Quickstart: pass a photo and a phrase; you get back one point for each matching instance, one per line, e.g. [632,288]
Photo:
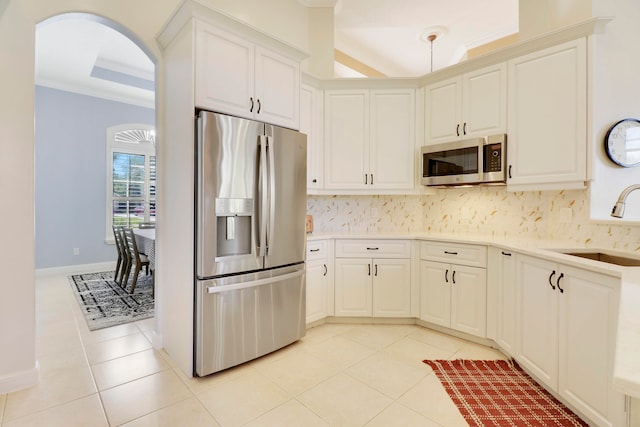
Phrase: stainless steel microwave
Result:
[465,162]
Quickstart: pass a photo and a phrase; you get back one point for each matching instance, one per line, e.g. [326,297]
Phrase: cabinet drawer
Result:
[457,253]
[357,248]
[317,249]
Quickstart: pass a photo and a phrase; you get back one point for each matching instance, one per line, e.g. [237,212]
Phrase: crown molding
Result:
[318,3]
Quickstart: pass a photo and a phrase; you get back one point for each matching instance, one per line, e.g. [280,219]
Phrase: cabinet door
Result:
[392,138]
[311,125]
[547,117]
[469,299]
[316,276]
[484,101]
[587,316]
[224,72]
[353,287]
[346,139]
[443,111]
[391,287]
[435,293]
[507,301]
[277,89]
[538,325]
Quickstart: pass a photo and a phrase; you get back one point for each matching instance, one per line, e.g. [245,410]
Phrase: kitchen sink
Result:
[603,256]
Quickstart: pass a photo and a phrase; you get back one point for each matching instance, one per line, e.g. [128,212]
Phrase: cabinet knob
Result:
[314,180]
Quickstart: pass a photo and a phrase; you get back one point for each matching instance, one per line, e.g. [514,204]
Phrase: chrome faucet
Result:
[618,208]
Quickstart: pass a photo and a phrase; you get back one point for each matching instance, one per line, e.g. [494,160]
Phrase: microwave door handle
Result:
[262,219]
[481,159]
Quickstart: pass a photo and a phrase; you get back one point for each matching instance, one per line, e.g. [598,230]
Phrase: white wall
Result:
[142,19]
[615,95]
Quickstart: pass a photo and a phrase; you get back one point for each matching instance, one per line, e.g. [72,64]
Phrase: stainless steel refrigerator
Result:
[250,240]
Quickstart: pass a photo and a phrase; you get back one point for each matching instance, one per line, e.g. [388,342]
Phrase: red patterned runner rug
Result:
[499,393]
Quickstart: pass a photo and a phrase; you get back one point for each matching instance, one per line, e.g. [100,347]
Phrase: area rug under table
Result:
[104,303]
[499,393]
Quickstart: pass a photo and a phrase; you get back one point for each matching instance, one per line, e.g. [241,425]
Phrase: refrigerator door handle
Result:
[264,197]
[272,192]
[252,283]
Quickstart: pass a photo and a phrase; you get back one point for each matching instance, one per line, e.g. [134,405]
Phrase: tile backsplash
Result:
[487,211]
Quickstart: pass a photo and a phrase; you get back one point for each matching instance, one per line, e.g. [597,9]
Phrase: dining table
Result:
[146,241]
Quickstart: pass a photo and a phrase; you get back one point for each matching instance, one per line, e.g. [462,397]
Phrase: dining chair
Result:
[140,260]
[123,279]
[121,263]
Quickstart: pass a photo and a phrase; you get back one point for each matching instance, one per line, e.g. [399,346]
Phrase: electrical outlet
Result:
[566,215]
[76,251]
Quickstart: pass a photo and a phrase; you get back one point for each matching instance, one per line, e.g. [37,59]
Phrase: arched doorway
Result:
[91,75]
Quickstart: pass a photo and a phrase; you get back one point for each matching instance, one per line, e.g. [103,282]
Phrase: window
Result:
[131,176]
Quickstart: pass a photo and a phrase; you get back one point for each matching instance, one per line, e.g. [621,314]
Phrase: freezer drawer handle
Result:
[252,283]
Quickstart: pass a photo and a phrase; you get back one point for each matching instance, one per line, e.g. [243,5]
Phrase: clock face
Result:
[622,143]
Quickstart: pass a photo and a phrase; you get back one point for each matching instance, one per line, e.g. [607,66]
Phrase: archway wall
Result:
[18,20]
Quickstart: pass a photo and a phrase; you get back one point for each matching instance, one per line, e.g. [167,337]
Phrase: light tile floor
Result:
[337,375]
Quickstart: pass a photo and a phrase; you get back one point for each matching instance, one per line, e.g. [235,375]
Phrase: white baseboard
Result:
[19,380]
[75,269]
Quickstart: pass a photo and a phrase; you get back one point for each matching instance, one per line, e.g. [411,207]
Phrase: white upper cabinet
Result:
[311,124]
[369,139]
[470,105]
[547,146]
[238,77]
[346,139]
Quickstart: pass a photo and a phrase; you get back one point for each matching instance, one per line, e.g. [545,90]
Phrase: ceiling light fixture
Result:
[430,35]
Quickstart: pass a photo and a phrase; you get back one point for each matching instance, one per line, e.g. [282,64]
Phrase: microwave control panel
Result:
[493,157]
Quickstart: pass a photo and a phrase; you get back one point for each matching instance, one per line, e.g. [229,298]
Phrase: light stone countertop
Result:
[626,372]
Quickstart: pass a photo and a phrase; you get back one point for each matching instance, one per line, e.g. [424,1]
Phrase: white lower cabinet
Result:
[566,335]
[366,286]
[319,280]
[506,335]
[454,295]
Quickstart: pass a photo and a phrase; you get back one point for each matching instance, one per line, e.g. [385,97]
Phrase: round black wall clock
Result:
[622,143]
